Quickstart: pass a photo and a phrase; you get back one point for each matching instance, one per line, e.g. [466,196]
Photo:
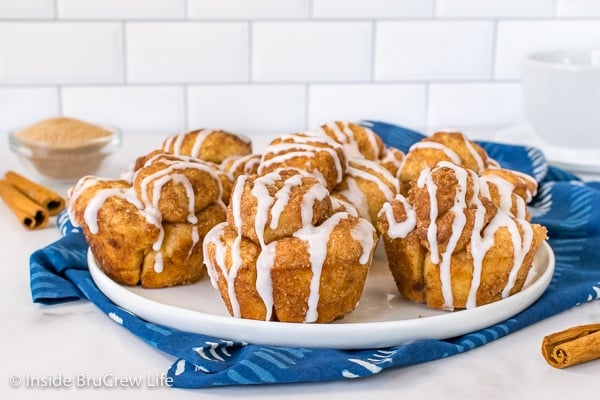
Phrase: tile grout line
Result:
[494,50]
[59,99]
[373,45]
[426,112]
[186,111]
[124,53]
[250,51]
[59,87]
[306,106]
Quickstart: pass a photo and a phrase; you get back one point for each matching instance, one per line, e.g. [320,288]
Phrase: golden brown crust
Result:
[284,254]
[312,153]
[149,231]
[391,159]
[294,191]
[473,253]
[357,140]
[165,182]
[453,147]
[241,165]
[247,298]
[126,233]
[341,282]
[367,185]
[509,190]
[208,145]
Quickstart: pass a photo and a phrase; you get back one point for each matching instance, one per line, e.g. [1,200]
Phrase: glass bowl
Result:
[65,163]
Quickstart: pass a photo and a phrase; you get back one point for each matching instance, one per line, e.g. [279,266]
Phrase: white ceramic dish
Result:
[574,160]
[382,318]
[561,93]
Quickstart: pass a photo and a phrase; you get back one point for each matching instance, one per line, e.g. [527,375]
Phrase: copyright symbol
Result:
[14,381]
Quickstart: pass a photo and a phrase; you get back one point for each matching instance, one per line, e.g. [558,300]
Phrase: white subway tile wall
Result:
[131,108]
[274,66]
[396,103]
[248,108]
[433,50]
[311,51]
[160,52]
[248,9]
[61,53]
[26,9]
[20,106]
[121,9]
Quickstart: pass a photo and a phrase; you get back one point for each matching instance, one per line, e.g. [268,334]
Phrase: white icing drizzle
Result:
[236,258]
[373,172]
[340,137]
[317,239]
[249,162]
[531,183]
[482,239]
[75,192]
[270,206]
[451,154]
[505,192]
[195,239]
[158,262]
[372,137]
[282,157]
[474,153]
[458,225]
[520,252]
[90,214]
[276,204]
[213,236]
[363,233]
[150,207]
[398,229]
[345,136]
[177,143]
[169,142]
[302,145]
[356,197]
[282,198]
[503,187]
[199,141]
[264,201]
[340,203]
[264,281]
[348,139]
[161,178]
[426,181]
[389,157]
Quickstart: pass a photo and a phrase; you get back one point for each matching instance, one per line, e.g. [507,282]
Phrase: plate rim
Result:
[350,335]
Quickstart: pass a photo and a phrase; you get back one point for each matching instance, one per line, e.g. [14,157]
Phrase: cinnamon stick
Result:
[50,200]
[572,346]
[31,214]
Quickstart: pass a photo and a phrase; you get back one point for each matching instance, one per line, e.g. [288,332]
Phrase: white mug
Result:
[561,95]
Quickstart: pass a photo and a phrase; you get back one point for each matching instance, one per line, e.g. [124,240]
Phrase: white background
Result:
[277,66]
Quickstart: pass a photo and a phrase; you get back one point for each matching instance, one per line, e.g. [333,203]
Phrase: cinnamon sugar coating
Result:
[451,247]
[148,230]
[284,254]
[208,145]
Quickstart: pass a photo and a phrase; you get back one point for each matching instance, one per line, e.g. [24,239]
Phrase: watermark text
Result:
[83,381]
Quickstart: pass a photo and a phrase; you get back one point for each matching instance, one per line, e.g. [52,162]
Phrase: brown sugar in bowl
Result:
[64,149]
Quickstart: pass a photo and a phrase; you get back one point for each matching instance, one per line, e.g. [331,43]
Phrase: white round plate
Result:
[382,318]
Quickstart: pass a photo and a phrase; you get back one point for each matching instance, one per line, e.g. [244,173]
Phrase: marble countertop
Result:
[77,341]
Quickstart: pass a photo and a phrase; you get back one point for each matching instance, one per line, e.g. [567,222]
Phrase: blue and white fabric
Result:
[568,207]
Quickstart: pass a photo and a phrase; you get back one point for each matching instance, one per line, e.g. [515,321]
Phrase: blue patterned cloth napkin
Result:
[567,206]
